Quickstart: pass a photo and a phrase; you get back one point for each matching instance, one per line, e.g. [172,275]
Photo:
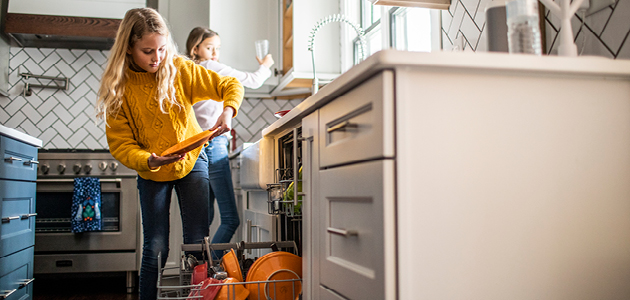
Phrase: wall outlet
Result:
[597,5]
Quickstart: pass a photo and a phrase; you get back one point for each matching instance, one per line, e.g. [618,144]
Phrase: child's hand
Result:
[224,123]
[267,61]
[157,161]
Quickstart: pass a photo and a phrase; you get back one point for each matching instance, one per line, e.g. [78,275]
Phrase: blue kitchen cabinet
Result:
[18,174]
[16,275]
[17,231]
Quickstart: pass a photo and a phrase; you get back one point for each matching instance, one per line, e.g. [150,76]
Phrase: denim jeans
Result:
[155,201]
[222,189]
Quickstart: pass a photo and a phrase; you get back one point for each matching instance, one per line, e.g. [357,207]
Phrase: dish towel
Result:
[86,205]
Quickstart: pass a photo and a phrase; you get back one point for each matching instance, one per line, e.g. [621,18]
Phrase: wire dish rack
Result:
[282,196]
[179,286]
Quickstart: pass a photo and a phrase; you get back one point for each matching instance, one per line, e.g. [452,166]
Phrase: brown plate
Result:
[189,144]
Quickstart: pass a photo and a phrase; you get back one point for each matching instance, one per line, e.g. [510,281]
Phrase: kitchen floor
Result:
[111,287]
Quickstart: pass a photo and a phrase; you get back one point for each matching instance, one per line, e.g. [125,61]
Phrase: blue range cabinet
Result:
[18,174]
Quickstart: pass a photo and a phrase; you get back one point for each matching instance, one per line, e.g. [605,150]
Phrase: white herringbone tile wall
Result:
[604,33]
[65,118]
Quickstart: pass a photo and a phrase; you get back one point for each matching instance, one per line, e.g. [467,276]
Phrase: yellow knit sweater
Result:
[140,128]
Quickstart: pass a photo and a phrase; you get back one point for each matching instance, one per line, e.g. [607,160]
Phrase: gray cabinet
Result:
[485,194]
[350,236]
[18,173]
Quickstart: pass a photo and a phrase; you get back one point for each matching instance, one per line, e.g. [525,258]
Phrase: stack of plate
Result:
[277,265]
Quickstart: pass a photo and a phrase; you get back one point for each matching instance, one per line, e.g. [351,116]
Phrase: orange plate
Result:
[189,143]
[277,265]
[232,291]
[231,266]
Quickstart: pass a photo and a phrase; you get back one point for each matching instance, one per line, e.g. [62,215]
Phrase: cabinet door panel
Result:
[359,125]
[17,206]
[17,158]
[257,20]
[16,274]
[352,242]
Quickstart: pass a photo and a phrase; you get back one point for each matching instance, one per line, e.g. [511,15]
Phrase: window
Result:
[401,28]
[411,29]
[371,23]
[370,14]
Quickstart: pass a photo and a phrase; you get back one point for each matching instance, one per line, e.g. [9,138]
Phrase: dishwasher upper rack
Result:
[184,287]
[282,188]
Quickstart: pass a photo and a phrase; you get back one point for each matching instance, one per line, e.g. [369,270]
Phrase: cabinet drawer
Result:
[359,125]
[17,208]
[352,231]
[16,275]
[19,160]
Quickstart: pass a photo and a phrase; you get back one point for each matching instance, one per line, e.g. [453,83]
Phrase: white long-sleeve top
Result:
[208,112]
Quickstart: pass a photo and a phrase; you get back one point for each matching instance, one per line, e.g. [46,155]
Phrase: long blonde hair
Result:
[195,37]
[135,24]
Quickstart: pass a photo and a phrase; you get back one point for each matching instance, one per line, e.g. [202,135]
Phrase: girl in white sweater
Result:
[203,47]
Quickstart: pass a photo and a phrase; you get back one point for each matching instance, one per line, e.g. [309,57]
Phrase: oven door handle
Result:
[72,180]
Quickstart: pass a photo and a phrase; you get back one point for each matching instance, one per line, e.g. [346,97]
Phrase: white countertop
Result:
[20,136]
[584,66]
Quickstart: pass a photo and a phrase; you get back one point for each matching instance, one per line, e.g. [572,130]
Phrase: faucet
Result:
[324,21]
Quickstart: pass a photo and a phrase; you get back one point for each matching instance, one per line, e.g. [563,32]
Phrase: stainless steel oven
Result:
[114,248]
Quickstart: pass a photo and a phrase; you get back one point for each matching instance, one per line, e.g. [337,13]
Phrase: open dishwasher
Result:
[276,275]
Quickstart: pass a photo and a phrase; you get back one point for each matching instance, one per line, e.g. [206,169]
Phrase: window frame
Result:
[386,24]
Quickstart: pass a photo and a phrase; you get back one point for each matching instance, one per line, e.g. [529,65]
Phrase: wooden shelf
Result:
[287,36]
[289,43]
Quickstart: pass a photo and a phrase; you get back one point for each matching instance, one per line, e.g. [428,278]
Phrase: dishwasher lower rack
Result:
[175,287]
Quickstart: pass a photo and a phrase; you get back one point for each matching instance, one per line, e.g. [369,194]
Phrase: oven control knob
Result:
[103,166]
[44,168]
[113,166]
[61,168]
[76,168]
[87,168]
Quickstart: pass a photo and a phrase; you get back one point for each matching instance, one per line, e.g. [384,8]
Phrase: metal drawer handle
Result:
[31,162]
[11,159]
[8,219]
[7,293]
[342,126]
[342,232]
[26,282]
[26,216]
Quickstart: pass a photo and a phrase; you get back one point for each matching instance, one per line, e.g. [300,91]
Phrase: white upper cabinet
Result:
[437,4]
[287,25]
[109,9]
[240,23]
[299,18]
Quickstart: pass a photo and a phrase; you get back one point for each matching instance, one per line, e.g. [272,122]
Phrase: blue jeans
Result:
[221,187]
[155,201]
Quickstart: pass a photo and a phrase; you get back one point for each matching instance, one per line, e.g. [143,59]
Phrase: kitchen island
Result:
[465,176]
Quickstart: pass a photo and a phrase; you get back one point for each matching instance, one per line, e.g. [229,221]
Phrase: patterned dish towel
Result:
[86,205]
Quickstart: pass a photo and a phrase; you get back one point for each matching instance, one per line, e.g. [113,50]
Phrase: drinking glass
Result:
[262,48]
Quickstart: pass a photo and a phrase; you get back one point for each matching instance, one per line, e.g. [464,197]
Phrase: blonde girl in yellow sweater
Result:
[146,97]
